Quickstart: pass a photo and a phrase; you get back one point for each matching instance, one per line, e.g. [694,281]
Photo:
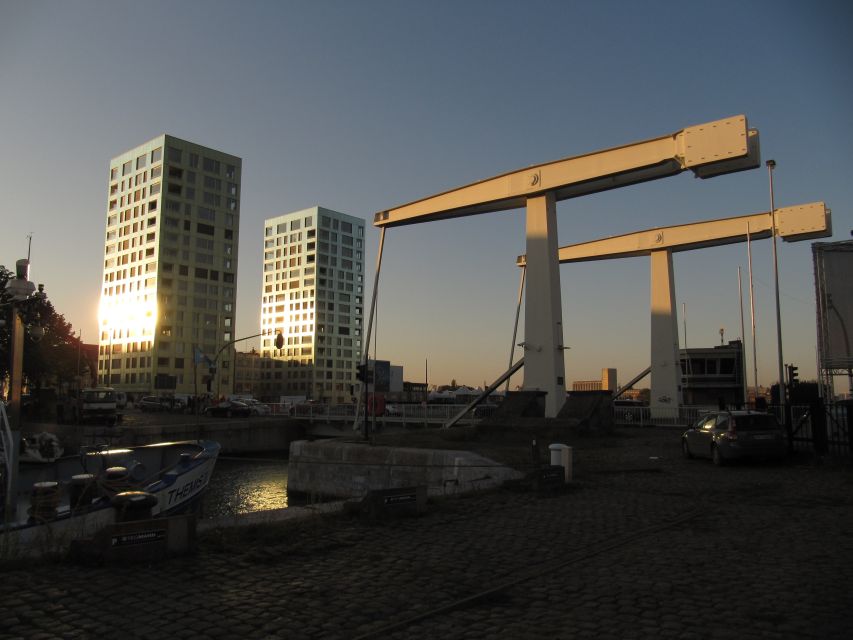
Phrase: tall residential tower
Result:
[170,267]
[313,293]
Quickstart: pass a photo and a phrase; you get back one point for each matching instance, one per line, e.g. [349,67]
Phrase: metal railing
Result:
[658,416]
[403,414]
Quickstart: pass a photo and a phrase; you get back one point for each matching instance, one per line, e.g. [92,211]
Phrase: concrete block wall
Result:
[347,469]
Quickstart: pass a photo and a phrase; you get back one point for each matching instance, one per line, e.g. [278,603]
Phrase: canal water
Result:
[245,485]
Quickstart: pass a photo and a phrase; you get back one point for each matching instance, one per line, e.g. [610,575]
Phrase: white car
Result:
[258,408]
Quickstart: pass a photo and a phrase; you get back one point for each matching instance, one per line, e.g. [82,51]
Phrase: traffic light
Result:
[279,341]
[792,375]
[361,372]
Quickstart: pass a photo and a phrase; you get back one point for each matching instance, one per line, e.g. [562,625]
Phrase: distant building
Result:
[387,378]
[606,383]
[259,377]
[170,267]
[713,375]
[313,293]
[640,395]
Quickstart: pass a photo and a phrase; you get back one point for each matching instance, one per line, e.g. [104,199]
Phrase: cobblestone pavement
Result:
[637,547]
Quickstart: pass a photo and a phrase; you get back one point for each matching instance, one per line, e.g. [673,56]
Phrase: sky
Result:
[361,106]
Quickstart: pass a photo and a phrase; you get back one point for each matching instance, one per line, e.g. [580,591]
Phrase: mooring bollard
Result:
[561,456]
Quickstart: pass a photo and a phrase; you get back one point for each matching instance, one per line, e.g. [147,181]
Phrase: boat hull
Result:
[175,473]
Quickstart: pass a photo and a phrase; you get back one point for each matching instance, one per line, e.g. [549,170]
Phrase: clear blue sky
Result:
[359,106]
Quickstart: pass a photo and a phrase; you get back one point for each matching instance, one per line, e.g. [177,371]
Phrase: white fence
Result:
[403,414]
[658,416]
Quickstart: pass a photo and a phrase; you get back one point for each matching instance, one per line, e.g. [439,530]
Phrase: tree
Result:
[48,361]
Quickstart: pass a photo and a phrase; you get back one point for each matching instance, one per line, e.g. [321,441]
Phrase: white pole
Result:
[742,335]
[752,311]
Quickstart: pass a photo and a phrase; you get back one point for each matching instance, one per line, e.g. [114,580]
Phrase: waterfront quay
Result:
[642,544]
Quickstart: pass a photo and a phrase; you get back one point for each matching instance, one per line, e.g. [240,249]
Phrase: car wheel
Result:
[716,456]
[685,448]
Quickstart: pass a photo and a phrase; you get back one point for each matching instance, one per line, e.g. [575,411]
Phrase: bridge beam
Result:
[710,149]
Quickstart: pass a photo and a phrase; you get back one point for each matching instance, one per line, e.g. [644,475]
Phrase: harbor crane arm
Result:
[710,149]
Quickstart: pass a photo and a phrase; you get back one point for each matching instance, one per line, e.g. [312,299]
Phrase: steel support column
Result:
[544,366]
[665,363]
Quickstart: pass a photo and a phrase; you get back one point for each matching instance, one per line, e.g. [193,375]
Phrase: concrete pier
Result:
[351,469]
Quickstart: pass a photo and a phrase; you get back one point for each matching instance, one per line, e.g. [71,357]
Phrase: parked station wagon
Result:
[725,436]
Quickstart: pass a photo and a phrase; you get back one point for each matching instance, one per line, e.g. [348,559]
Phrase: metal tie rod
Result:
[485,394]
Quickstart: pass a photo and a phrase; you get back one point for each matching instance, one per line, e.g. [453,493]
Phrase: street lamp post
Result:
[771,164]
[279,343]
[19,290]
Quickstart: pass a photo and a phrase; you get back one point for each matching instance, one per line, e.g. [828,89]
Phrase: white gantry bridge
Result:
[708,150]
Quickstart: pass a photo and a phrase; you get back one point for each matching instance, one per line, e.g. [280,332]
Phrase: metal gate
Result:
[823,429]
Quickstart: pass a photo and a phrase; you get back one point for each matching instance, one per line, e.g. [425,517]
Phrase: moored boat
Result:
[74,497]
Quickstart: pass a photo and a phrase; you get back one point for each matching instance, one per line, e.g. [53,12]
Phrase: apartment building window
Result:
[174,155]
[157,155]
[210,165]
